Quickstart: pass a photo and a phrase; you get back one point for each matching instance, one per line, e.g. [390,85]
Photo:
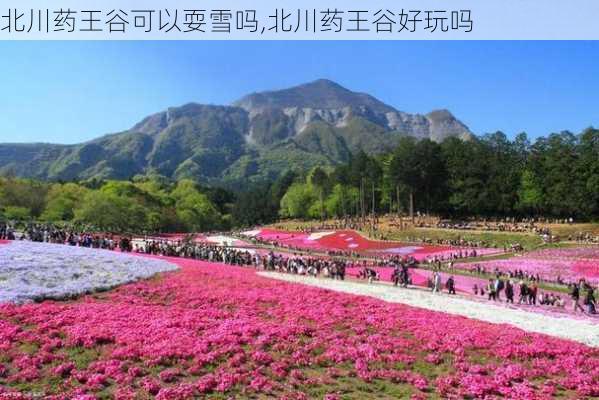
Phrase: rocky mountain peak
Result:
[260,135]
[296,108]
[319,94]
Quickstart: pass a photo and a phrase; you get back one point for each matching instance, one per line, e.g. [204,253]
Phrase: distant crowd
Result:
[581,293]
[519,275]
[584,238]
[276,243]
[458,242]
[529,293]
[358,223]
[526,225]
[268,261]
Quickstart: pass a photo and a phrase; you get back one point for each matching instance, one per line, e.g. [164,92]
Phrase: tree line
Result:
[145,204]
[491,176]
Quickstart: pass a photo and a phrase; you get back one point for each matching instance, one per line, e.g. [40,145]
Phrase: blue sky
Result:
[67,92]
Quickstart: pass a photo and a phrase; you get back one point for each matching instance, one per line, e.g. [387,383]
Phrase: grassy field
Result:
[491,239]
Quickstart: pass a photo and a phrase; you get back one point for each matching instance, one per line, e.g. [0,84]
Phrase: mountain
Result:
[257,137]
[292,110]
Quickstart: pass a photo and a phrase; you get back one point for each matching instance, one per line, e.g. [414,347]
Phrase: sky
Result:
[69,92]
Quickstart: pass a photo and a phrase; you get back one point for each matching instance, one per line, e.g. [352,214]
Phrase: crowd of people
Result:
[526,225]
[333,266]
[380,258]
[435,283]
[584,238]
[530,294]
[275,243]
[506,224]
[589,299]
[520,275]
[348,223]
[48,233]
[268,261]
[461,242]
[512,274]
[375,225]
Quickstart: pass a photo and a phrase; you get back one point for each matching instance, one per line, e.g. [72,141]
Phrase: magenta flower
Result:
[218,330]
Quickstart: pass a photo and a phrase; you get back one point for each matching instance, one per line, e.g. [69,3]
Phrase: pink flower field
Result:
[571,264]
[349,240]
[215,331]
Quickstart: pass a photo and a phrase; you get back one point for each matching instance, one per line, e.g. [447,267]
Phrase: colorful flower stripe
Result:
[547,269]
[577,253]
[352,241]
[214,329]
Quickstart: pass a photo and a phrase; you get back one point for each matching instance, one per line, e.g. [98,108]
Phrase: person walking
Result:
[509,291]
[405,277]
[450,285]
[575,295]
[523,292]
[396,275]
[498,287]
[491,290]
[590,301]
[533,293]
[436,282]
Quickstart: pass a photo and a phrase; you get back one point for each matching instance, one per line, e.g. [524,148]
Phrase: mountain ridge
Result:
[319,122]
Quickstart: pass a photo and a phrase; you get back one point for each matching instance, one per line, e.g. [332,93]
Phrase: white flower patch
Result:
[222,240]
[319,235]
[36,271]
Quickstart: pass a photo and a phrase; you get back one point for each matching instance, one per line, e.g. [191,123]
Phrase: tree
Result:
[504,167]
[194,210]
[23,193]
[61,202]
[420,167]
[108,212]
[253,207]
[341,199]
[530,196]
[319,179]
[13,213]
[466,175]
[553,160]
[298,201]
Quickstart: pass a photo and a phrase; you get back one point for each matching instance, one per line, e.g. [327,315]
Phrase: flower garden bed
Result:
[220,332]
[352,241]
[35,271]
[571,264]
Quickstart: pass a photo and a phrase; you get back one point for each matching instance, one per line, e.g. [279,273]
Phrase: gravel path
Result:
[564,327]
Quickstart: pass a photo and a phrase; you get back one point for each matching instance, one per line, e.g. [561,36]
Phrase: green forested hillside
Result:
[256,139]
